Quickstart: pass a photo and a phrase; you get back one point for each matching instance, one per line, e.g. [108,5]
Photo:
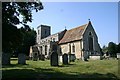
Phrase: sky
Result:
[58,15]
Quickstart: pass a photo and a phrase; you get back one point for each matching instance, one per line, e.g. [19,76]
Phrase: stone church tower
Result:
[43,31]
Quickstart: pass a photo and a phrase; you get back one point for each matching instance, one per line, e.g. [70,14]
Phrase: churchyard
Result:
[92,69]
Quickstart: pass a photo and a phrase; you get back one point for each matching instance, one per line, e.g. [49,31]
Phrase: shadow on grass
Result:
[14,59]
[66,65]
[13,65]
[51,74]
[20,65]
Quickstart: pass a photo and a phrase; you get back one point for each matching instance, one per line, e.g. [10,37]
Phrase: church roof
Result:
[58,33]
[73,34]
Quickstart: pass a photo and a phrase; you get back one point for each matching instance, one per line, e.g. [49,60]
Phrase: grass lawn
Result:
[92,69]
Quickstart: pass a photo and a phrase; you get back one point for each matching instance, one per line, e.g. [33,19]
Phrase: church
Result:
[82,41]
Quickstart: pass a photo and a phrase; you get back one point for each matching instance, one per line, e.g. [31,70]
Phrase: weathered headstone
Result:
[54,59]
[65,58]
[6,58]
[72,57]
[34,53]
[21,58]
[42,57]
[118,55]
[35,56]
[31,53]
[60,58]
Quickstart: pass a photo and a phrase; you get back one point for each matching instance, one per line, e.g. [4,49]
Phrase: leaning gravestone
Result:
[65,58]
[6,58]
[54,59]
[72,57]
[21,58]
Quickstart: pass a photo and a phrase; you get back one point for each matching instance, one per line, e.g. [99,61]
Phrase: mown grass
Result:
[93,69]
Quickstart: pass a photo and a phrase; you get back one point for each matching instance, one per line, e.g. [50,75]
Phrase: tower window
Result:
[45,31]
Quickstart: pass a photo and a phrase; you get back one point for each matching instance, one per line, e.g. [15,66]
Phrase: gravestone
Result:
[42,57]
[60,58]
[31,53]
[65,58]
[72,57]
[39,56]
[21,58]
[6,58]
[35,56]
[54,59]
[118,55]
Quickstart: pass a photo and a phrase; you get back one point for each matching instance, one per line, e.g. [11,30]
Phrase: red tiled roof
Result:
[73,34]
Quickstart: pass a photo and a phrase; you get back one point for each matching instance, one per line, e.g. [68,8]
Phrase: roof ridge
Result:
[58,32]
[78,27]
[73,34]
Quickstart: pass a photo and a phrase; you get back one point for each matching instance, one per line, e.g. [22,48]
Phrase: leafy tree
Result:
[11,37]
[102,53]
[118,48]
[105,49]
[11,11]
[28,39]
[112,49]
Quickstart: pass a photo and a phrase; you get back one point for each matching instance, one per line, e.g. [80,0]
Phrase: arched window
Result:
[73,48]
[90,41]
[41,49]
[90,34]
[70,48]
[45,49]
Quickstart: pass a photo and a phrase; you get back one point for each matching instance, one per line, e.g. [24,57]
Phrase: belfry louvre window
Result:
[45,32]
